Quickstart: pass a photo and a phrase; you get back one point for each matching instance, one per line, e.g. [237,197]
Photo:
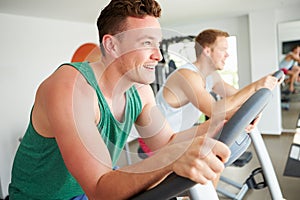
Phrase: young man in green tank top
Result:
[83,113]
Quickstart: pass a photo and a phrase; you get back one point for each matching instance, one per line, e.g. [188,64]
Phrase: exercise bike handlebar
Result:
[174,185]
[246,114]
[278,74]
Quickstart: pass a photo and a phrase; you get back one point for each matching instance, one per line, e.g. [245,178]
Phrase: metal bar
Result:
[266,164]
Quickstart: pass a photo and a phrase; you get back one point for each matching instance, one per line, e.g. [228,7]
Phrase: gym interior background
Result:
[38,36]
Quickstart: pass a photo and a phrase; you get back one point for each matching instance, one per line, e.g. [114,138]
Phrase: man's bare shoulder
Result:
[185,73]
[145,92]
[64,78]
[63,86]
[185,77]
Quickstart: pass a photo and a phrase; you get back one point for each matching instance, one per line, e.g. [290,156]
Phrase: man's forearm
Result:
[131,180]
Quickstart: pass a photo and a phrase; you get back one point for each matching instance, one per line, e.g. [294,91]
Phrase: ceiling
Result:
[174,11]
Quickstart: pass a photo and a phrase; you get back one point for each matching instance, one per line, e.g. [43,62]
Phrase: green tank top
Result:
[39,171]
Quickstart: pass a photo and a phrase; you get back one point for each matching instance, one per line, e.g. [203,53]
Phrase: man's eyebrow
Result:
[149,37]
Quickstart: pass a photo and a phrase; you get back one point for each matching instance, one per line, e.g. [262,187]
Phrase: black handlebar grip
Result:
[170,187]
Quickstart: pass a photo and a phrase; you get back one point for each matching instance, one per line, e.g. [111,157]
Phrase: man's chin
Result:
[148,81]
[221,67]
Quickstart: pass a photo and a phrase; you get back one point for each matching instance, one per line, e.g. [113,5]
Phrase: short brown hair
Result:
[207,38]
[112,18]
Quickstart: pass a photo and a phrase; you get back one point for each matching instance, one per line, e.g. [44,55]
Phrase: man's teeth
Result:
[149,67]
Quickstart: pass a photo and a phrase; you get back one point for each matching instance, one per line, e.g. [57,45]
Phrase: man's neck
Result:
[205,67]
[111,83]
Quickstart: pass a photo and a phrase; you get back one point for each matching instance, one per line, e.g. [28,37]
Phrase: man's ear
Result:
[109,43]
[206,51]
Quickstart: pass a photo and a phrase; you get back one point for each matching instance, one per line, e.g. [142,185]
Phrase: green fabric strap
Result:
[113,132]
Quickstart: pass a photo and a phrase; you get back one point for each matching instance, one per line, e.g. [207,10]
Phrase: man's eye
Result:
[147,43]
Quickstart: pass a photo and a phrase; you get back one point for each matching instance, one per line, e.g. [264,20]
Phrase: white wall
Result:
[264,58]
[30,50]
